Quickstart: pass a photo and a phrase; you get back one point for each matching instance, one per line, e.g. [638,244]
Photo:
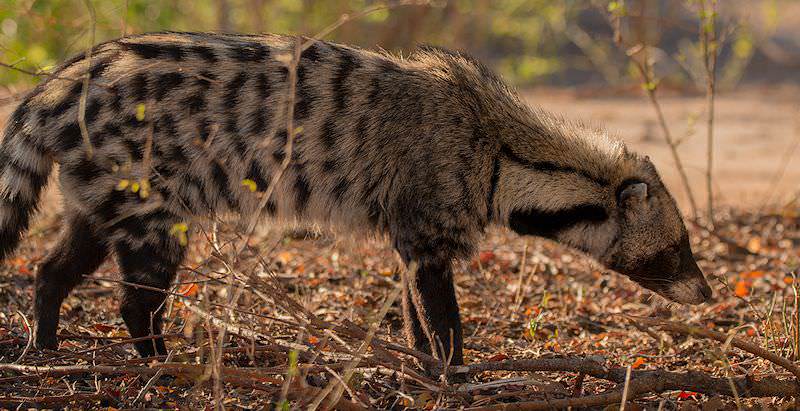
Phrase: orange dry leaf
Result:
[754,245]
[686,395]
[742,288]
[284,257]
[68,344]
[533,310]
[163,389]
[753,274]
[751,332]
[313,340]
[189,290]
[553,345]
[638,363]
[496,339]
[498,357]
[103,328]
[21,264]
[486,257]
[788,280]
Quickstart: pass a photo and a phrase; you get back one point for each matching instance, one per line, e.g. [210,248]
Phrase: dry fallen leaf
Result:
[498,357]
[189,290]
[103,328]
[753,274]
[284,257]
[754,245]
[486,257]
[742,288]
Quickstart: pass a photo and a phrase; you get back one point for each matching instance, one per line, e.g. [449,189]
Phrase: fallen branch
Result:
[53,401]
[242,378]
[638,386]
[126,341]
[737,342]
[662,380]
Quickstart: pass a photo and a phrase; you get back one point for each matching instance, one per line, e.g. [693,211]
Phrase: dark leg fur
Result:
[433,321]
[152,265]
[78,253]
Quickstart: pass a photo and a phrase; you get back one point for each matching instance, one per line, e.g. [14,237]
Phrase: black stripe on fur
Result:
[549,223]
[549,167]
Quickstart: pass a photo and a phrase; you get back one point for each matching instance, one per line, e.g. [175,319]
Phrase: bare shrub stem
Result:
[710,45]
[650,85]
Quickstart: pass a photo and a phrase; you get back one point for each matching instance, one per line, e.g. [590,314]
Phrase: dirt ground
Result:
[520,298]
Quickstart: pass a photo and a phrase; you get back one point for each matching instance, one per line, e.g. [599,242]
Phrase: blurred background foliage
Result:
[531,42]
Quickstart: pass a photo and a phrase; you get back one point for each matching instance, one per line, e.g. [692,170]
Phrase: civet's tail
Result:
[24,168]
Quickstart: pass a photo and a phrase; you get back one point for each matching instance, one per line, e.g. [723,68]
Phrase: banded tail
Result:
[25,165]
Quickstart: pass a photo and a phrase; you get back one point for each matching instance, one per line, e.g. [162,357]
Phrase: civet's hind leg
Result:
[151,262]
[79,252]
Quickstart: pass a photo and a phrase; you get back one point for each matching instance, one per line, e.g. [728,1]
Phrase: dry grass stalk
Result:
[649,83]
[725,339]
[710,49]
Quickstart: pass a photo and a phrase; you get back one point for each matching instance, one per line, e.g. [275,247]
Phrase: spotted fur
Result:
[428,150]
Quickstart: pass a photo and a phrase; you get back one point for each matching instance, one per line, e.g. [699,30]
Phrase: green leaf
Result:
[293,354]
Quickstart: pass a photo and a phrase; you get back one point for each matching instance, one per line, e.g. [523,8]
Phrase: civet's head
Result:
[653,245]
[590,193]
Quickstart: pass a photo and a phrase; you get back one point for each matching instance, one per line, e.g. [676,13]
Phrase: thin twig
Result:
[650,86]
[85,89]
[710,47]
[335,386]
[625,388]
[29,344]
[149,384]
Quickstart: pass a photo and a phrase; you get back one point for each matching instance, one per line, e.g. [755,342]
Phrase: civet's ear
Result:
[649,163]
[632,193]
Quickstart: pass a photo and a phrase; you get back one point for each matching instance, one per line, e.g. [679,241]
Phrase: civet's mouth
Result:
[692,291]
